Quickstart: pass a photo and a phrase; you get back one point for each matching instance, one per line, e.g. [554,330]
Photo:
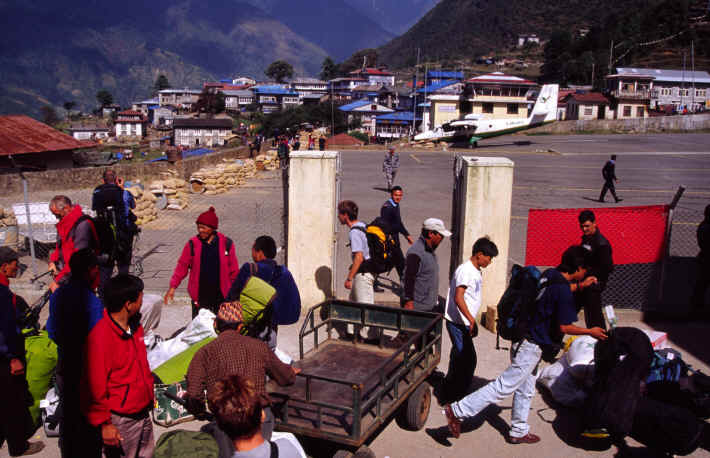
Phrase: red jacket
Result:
[117,377]
[228,267]
[66,238]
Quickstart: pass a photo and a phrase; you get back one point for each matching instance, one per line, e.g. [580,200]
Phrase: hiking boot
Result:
[619,200]
[34,448]
[529,438]
[453,423]
[595,433]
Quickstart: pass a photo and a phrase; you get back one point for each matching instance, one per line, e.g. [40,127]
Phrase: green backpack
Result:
[181,443]
[256,299]
[41,354]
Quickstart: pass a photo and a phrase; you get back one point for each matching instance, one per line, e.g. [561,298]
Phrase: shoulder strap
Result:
[359,228]
[274,449]
[228,244]
[192,249]
[253,268]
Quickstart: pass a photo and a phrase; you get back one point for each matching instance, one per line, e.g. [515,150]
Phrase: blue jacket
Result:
[73,311]
[11,341]
[287,295]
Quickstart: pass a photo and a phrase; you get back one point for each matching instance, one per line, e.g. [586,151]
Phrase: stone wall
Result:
[89,177]
[634,125]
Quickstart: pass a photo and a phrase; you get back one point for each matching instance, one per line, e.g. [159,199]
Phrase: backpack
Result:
[106,234]
[380,244]
[667,366]
[256,299]
[177,443]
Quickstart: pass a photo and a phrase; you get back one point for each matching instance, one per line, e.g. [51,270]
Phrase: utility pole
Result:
[682,84]
[692,74]
[611,56]
[593,63]
[414,88]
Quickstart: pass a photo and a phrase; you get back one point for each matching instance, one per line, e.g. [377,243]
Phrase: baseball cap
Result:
[435,224]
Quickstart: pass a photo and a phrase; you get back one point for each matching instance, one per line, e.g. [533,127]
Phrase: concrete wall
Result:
[444,111]
[311,223]
[487,195]
[88,177]
[638,125]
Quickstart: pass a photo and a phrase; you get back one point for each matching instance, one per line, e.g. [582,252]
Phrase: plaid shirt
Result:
[234,354]
[391,162]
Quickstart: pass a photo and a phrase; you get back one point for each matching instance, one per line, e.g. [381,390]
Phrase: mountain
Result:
[52,52]
[465,29]
[395,17]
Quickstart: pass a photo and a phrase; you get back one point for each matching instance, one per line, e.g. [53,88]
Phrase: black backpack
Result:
[380,244]
[517,304]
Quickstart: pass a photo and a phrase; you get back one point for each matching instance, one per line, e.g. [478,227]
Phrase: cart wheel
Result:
[414,413]
[343,454]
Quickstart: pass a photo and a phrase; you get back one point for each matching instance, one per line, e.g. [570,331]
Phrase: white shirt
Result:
[469,276]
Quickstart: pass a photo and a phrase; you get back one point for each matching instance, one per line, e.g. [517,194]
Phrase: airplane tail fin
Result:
[545,109]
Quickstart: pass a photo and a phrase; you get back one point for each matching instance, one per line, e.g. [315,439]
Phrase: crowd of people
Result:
[103,376]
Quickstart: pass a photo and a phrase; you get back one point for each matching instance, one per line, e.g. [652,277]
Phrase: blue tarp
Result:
[436,86]
[196,152]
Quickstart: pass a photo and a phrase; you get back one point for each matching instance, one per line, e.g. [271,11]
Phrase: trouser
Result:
[363,290]
[15,419]
[76,436]
[398,259]
[701,285]
[389,177]
[137,437]
[608,185]
[590,299]
[462,362]
[518,379]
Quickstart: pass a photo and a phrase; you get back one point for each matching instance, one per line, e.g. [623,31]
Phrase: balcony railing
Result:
[641,94]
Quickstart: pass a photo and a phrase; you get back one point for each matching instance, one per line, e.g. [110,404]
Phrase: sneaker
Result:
[34,448]
[453,423]
[595,433]
[529,438]
[619,200]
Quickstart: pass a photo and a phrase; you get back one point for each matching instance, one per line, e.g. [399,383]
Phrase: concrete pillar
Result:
[311,223]
[486,190]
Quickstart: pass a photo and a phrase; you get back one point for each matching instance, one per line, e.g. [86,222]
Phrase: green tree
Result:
[49,115]
[210,102]
[161,82]
[104,98]
[329,69]
[68,107]
[279,70]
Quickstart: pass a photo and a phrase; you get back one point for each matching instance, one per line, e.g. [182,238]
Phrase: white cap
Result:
[435,224]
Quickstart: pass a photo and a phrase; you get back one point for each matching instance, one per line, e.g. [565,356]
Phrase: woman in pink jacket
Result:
[211,261]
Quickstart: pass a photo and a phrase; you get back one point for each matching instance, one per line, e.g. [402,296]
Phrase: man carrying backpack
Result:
[211,260]
[359,281]
[390,213]
[112,205]
[286,306]
[549,319]
[74,232]
[462,305]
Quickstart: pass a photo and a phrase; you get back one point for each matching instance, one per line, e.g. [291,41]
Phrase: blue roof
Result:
[226,80]
[153,107]
[353,105]
[444,74]
[398,116]
[436,86]
[273,90]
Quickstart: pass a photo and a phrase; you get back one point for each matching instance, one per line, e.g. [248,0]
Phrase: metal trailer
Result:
[347,389]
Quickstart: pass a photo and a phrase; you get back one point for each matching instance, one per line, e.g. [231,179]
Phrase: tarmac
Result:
[550,172]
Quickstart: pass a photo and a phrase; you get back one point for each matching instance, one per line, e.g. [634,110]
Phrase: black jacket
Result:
[602,263]
[609,171]
[390,213]
[703,234]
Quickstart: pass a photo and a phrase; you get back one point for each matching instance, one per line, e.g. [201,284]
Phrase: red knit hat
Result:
[209,218]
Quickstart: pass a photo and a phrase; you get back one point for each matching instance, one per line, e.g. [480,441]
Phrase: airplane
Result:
[475,127]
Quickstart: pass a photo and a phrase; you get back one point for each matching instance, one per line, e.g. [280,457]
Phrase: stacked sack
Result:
[267,161]
[145,210]
[174,189]
[8,228]
[220,178]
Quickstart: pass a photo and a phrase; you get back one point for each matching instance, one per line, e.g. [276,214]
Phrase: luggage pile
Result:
[145,210]
[222,177]
[268,161]
[175,190]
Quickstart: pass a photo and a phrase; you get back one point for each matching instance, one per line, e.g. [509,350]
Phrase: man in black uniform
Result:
[701,285]
[390,213]
[112,203]
[609,174]
[601,265]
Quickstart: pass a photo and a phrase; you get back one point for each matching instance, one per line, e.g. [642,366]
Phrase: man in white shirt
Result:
[359,281]
[462,304]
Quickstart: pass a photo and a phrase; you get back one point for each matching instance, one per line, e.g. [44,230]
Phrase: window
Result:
[627,111]
[700,93]
[588,111]
[512,108]
[487,108]
[267,99]
[683,92]
[639,112]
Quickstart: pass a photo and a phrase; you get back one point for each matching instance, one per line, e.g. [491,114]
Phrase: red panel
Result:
[636,234]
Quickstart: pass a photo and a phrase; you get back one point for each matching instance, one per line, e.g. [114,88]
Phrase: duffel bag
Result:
[166,412]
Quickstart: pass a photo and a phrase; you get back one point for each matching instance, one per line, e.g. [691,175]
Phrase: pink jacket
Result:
[228,267]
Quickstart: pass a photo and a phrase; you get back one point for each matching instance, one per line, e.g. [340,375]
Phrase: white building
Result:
[179,98]
[309,86]
[679,89]
[201,132]
[237,100]
[131,123]
[375,76]
[243,81]
[89,132]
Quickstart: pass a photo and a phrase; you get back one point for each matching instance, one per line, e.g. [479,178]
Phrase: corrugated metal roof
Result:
[589,97]
[398,116]
[353,105]
[217,123]
[372,71]
[660,74]
[238,93]
[273,90]
[444,74]
[437,86]
[500,78]
[23,135]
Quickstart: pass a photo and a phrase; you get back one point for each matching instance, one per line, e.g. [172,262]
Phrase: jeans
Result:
[518,379]
[462,362]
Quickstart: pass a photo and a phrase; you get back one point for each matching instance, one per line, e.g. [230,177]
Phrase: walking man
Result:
[553,318]
[359,281]
[390,212]
[211,260]
[703,281]
[462,305]
[600,266]
[15,421]
[421,270]
[390,166]
[609,175]
[117,394]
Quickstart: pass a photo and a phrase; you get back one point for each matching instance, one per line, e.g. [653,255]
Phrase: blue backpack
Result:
[666,368]
[517,304]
